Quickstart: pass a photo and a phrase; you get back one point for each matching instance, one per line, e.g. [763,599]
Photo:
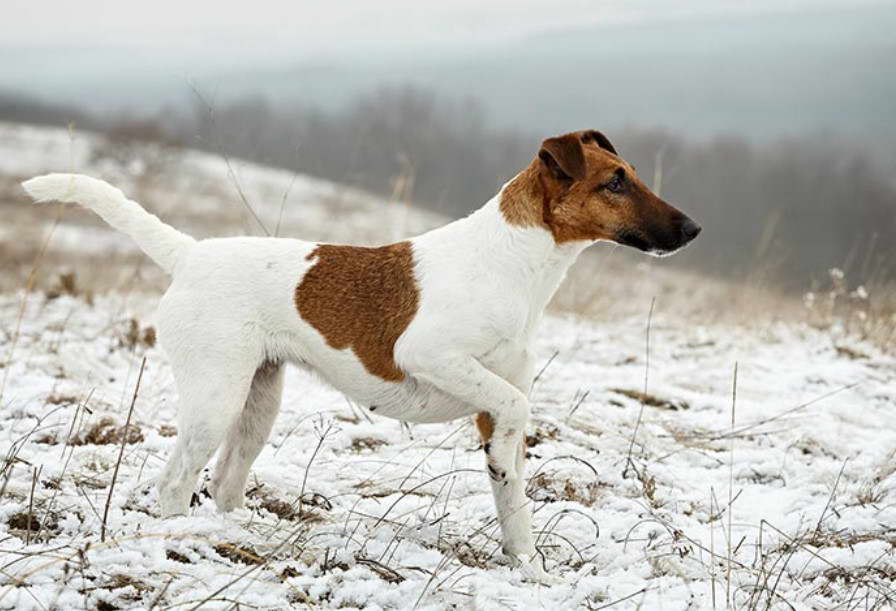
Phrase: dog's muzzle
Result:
[661,242]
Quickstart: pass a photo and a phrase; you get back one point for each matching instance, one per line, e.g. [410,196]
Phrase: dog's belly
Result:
[425,404]
[410,400]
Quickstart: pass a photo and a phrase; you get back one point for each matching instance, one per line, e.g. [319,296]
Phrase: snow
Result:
[350,510]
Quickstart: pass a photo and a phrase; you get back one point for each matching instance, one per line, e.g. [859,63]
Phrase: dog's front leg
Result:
[506,410]
[514,510]
[511,504]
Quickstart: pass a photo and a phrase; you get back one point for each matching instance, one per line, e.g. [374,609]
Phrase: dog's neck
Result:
[520,239]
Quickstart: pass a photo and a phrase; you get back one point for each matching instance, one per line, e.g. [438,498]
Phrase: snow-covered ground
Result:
[649,500]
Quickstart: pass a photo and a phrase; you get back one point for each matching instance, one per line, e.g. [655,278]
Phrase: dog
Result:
[430,329]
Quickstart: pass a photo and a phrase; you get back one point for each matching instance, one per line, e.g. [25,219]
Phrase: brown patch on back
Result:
[361,298]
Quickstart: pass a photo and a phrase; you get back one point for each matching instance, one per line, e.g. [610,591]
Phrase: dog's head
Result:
[590,193]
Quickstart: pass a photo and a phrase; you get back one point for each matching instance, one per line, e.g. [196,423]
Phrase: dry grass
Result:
[594,290]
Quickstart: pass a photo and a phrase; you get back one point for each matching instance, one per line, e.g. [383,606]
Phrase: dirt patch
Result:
[360,444]
[652,400]
[238,554]
[851,353]
[311,506]
[55,399]
[120,581]
[384,572]
[368,491]
[67,284]
[48,439]
[281,509]
[135,336]
[107,432]
[167,430]
[540,435]
[549,488]
[22,524]
[177,557]
[821,539]
[470,556]
[93,483]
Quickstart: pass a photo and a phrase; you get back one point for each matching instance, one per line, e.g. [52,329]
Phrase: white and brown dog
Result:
[437,327]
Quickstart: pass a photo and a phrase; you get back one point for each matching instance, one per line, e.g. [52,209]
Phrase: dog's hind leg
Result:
[247,437]
[213,389]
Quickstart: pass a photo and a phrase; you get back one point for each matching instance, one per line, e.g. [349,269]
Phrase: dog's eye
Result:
[617,184]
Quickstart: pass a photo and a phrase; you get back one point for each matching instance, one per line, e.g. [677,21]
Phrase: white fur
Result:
[228,321]
[162,242]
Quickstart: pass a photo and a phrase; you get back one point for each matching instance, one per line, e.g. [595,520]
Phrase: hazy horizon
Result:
[764,71]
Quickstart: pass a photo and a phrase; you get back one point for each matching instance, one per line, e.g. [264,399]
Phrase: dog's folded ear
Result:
[592,135]
[563,157]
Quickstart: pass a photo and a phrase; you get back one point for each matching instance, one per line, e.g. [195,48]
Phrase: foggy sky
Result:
[310,25]
[761,68]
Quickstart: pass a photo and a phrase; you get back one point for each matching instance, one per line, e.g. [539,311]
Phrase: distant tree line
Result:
[789,210]
[24,109]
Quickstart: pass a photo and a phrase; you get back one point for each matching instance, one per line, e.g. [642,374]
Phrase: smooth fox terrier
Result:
[434,328]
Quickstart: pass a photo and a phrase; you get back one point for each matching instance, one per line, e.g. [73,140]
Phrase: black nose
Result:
[689,230]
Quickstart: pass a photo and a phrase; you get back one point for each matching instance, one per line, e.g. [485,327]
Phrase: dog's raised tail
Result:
[163,243]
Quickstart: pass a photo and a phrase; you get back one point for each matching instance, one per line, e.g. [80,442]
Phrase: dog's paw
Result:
[530,569]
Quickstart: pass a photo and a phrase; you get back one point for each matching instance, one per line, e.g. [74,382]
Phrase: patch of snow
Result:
[405,515]
[632,509]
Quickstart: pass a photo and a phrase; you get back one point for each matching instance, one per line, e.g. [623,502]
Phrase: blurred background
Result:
[770,122]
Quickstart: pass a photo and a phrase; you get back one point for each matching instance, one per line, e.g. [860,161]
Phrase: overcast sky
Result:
[763,67]
[296,23]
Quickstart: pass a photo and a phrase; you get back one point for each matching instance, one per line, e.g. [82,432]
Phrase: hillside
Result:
[660,479]
[206,195]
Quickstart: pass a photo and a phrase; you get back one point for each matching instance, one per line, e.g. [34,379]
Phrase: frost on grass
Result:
[346,512]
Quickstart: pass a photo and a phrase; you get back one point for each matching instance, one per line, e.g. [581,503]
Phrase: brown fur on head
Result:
[579,188]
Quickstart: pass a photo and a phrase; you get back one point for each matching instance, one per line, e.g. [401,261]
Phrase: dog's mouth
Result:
[635,240]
